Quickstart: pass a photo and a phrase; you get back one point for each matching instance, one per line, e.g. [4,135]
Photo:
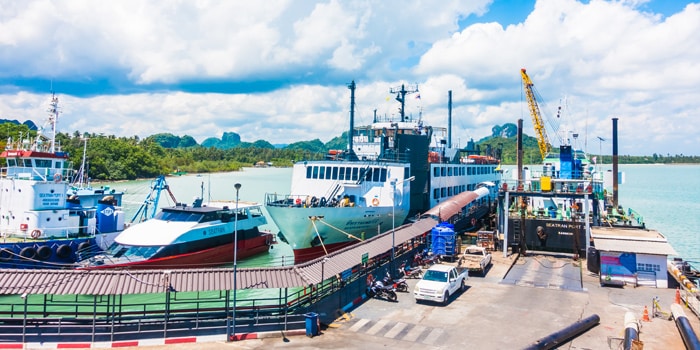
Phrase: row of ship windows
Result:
[38,163]
[347,173]
[380,174]
[462,170]
[444,192]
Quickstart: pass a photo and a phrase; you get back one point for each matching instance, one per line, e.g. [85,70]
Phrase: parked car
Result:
[439,282]
[476,259]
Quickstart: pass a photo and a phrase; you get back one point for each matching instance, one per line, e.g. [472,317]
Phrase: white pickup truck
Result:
[475,259]
[439,282]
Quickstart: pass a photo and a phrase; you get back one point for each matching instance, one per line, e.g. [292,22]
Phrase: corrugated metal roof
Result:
[634,246]
[113,282]
[633,240]
[453,205]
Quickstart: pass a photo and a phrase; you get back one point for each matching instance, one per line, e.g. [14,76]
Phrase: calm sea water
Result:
[666,195]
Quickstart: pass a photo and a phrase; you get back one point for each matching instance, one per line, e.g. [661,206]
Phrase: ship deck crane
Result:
[542,140]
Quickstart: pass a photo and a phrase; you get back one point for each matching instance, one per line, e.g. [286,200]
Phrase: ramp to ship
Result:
[545,271]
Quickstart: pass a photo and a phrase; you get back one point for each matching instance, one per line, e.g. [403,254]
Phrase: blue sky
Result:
[277,70]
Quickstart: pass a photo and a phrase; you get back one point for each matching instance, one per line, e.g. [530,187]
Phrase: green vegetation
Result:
[114,158]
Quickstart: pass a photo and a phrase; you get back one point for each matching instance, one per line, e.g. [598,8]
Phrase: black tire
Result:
[44,252]
[28,253]
[391,295]
[464,286]
[84,247]
[64,251]
[402,287]
[5,254]
[446,299]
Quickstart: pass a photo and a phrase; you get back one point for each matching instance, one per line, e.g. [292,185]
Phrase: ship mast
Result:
[401,97]
[53,119]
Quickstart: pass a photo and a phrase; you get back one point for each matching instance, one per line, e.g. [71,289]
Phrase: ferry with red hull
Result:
[182,236]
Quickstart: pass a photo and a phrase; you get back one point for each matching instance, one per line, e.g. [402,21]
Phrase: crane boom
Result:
[542,140]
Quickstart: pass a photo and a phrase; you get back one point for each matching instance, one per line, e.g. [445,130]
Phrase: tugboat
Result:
[393,170]
[182,236]
[45,221]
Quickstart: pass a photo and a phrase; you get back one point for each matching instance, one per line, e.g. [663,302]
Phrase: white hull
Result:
[301,227]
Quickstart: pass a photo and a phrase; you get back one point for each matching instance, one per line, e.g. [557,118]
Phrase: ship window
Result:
[443,192]
[436,172]
[335,173]
[178,216]
[406,173]
[383,175]
[43,163]
[449,191]
[28,163]
[436,193]
[469,170]
[341,173]
[449,171]
[308,172]
[463,171]
[354,174]
[328,172]
[376,175]
[442,171]
[11,162]
[321,172]
[209,217]
[368,174]
[315,172]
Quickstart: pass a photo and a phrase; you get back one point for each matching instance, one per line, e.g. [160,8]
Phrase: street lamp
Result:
[237,186]
[393,220]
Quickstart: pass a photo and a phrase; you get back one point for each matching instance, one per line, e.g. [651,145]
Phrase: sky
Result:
[278,70]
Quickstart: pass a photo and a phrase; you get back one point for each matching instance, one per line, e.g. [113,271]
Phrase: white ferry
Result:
[393,170]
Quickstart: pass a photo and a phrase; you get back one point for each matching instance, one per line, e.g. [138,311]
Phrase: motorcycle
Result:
[379,290]
[411,272]
[399,284]
[425,259]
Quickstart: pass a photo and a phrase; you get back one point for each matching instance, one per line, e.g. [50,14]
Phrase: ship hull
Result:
[213,256]
[313,232]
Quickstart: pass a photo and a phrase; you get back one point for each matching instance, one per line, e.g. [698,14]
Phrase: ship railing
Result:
[52,232]
[37,174]
[557,185]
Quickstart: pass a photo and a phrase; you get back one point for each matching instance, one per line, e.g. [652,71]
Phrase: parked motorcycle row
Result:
[387,287]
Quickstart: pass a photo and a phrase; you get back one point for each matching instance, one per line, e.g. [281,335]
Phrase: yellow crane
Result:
[542,140]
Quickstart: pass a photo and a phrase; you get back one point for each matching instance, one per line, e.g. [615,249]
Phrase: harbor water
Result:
[665,195]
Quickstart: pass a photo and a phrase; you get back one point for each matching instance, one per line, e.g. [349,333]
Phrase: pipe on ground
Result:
[631,330]
[690,339]
[560,337]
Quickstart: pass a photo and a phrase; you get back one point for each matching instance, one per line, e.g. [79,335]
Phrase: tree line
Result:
[112,158]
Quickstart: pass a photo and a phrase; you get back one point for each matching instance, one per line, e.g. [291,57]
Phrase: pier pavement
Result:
[495,312]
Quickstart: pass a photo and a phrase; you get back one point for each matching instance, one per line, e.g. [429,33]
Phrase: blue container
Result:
[311,324]
[442,239]
[106,218]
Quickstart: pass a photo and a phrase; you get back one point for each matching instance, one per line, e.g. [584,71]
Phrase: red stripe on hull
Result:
[306,254]
[204,258]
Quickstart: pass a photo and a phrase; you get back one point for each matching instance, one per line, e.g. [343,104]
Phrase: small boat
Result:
[47,219]
[393,170]
[182,236]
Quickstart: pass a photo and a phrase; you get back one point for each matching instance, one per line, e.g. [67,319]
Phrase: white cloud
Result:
[610,59]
